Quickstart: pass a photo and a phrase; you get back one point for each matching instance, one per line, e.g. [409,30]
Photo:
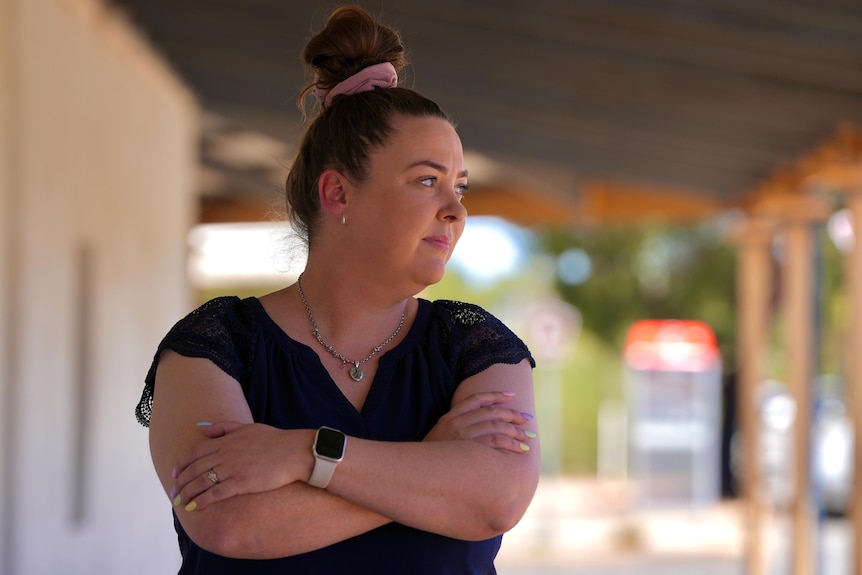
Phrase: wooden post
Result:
[798,289]
[753,239]
[853,369]
[845,177]
[799,212]
[796,213]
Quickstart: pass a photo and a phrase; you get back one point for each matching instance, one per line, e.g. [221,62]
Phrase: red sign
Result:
[671,345]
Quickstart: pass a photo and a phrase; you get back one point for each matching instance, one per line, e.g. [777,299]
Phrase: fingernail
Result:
[529,434]
[175,473]
[178,500]
[509,393]
[203,423]
[173,493]
[524,447]
[527,416]
[192,506]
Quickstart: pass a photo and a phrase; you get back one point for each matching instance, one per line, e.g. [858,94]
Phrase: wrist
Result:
[327,451]
[307,454]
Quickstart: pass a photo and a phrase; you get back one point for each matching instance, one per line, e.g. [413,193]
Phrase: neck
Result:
[347,318]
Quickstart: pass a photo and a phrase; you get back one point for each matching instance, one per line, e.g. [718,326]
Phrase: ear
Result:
[332,189]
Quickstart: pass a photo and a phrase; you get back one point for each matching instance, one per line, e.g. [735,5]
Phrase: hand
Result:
[482,417]
[244,458]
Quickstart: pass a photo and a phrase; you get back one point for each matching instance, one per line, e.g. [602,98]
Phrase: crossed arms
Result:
[472,477]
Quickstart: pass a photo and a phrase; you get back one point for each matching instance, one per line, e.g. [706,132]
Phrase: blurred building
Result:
[98,153]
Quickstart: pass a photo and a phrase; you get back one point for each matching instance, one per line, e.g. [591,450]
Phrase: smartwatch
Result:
[328,450]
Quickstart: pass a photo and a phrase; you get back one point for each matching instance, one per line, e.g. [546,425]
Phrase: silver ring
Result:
[211,475]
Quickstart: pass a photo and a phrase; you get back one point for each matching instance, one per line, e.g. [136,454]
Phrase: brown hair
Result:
[343,134]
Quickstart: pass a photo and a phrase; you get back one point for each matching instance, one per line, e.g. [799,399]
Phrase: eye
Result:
[428,182]
[462,189]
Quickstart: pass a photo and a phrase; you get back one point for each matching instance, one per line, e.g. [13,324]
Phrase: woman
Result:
[341,424]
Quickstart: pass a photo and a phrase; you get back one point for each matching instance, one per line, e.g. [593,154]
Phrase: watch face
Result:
[330,443]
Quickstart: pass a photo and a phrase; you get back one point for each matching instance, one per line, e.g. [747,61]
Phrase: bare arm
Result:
[462,489]
[296,518]
[260,507]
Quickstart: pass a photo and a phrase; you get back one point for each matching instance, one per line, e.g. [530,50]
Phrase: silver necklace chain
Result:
[355,372]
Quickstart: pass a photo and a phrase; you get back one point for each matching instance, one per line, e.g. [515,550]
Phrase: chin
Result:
[429,277]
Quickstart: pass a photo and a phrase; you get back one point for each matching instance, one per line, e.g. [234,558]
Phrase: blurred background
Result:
[663,201]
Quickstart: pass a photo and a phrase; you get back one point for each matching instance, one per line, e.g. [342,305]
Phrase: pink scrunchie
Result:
[381,75]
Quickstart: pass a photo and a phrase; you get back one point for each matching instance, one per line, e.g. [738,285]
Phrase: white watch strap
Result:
[322,473]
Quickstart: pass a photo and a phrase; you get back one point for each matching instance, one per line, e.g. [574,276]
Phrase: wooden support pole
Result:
[797,213]
[846,178]
[753,239]
[800,212]
[853,369]
[798,289]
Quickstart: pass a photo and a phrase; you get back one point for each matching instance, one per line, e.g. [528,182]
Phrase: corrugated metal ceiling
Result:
[704,96]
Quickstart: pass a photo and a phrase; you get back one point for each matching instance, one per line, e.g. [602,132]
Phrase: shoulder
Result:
[460,313]
[465,318]
[219,317]
[220,309]
[222,329]
[475,338]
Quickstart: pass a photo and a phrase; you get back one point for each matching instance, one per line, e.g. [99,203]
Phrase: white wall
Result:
[97,163]
[6,237]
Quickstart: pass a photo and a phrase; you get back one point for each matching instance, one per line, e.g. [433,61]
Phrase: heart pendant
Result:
[356,374]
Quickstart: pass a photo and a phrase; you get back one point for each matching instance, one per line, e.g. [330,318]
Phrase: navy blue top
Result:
[286,386]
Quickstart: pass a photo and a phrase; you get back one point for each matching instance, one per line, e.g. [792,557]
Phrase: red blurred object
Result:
[671,345]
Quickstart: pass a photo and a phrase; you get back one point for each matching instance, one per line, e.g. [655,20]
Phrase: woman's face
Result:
[407,214]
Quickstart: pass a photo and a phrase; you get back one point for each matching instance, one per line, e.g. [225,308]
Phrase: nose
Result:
[453,210]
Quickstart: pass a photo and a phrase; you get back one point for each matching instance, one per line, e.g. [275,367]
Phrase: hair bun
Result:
[350,41]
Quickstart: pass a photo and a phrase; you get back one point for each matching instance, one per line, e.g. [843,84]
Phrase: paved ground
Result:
[582,527]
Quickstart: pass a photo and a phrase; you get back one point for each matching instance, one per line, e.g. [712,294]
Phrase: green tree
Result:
[651,271]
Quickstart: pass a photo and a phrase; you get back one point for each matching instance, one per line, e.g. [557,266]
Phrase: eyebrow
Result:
[436,166]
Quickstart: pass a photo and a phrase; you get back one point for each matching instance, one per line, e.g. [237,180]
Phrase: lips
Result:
[442,243]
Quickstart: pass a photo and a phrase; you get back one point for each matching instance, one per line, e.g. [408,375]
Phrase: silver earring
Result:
[343,219]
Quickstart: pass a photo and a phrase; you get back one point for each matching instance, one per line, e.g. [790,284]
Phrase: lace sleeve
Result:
[477,340]
[221,330]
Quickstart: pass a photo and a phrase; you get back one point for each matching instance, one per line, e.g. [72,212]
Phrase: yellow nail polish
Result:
[529,434]
[178,500]
[525,447]
[192,506]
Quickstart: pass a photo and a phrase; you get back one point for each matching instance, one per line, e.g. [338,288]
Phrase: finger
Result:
[495,427]
[479,400]
[490,414]
[203,492]
[218,429]
[193,455]
[205,448]
[504,443]
[483,421]
[192,487]
[189,478]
